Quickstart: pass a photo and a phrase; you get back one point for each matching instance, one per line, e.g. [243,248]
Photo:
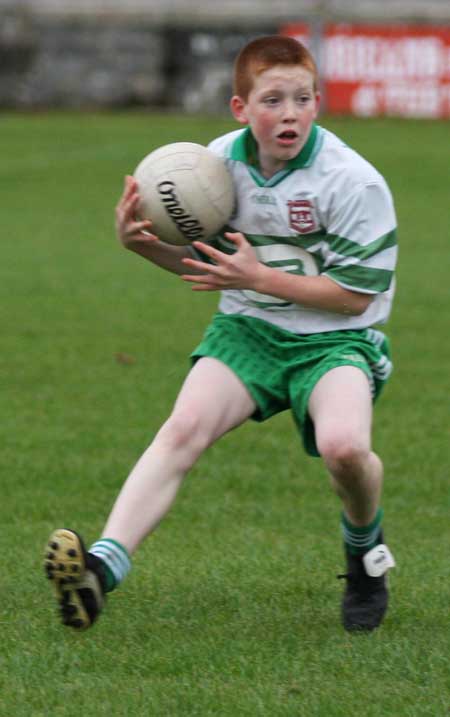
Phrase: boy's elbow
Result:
[360,303]
[355,304]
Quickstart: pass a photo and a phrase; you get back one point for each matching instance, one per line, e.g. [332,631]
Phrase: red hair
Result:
[266,52]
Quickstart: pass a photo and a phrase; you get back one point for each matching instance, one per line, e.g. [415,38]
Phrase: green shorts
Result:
[280,369]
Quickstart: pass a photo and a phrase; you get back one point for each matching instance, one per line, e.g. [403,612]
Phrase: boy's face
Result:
[280,109]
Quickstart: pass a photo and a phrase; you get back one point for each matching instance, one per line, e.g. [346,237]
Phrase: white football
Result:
[186,191]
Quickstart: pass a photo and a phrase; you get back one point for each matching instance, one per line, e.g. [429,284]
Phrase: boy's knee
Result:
[344,455]
[183,431]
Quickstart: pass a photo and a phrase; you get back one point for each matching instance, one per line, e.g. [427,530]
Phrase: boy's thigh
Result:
[281,370]
[333,397]
[249,348]
[340,406]
[214,398]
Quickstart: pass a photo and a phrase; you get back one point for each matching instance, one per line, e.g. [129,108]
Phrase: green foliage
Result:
[233,607]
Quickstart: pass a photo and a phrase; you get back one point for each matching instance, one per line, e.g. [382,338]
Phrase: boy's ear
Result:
[317,99]
[237,106]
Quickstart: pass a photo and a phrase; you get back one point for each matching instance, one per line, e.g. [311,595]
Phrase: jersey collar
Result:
[245,149]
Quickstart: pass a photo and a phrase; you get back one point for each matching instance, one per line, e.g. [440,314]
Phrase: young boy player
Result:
[306,271]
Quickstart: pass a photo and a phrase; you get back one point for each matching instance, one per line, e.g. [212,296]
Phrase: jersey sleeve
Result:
[361,249]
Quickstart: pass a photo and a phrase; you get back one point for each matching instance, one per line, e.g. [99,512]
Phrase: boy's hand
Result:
[131,231]
[229,271]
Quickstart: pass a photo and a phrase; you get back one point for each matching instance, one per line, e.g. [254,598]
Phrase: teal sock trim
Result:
[111,581]
[361,530]
[115,558]
[118,545]
[361,539]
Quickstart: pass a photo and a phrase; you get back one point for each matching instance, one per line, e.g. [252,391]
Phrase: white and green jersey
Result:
[327,212]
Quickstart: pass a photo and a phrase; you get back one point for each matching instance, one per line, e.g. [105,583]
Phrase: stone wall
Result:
[79,63]
[199,67]
[71,63]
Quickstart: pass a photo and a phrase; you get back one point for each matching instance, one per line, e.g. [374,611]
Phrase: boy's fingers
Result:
[237,237]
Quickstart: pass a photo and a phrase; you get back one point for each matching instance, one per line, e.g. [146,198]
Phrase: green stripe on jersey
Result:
[360,277]
[337,244]
[355,276]
[346,247]
[303,241]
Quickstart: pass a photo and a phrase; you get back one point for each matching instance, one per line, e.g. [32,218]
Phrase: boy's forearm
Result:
[166,256]
[314,292]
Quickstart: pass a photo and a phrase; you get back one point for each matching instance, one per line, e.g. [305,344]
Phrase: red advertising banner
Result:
[301,32]
[384,70]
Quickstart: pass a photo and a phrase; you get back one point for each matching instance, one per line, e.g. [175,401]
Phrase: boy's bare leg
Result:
[341,408]
[211,402]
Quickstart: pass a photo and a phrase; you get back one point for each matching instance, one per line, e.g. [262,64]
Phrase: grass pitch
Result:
[232,608]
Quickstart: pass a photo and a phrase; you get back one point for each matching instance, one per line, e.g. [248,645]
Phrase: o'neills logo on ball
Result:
[187,224]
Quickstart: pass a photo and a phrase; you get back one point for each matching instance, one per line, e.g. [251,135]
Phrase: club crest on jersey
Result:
[302,216]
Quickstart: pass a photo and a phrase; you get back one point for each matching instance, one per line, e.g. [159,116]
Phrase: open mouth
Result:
[287,137]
